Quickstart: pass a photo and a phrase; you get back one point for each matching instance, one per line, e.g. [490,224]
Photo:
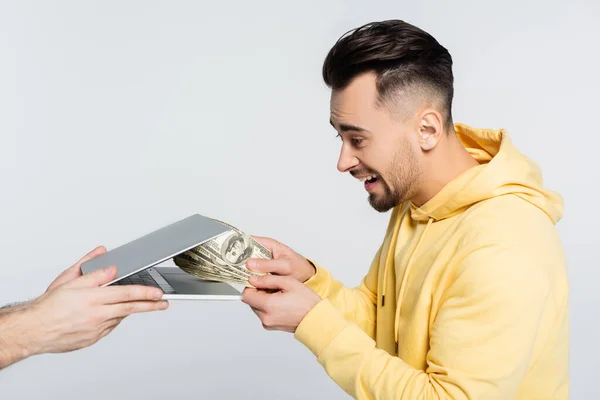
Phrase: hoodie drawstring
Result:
[403,285]
[389,259]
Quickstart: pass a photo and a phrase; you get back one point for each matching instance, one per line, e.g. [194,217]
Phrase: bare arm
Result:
[74,312]
[13,334]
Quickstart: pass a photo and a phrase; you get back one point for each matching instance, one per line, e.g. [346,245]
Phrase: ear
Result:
[430,129]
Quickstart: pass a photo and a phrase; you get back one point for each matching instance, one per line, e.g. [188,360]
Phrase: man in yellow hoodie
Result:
[467,296]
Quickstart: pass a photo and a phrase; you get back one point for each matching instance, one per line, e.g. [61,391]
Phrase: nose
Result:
[347,160]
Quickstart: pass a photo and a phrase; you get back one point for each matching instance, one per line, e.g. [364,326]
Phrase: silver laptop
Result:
[143,261]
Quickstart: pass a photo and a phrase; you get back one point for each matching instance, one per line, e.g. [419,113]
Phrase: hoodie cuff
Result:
[320,281]
[320,326]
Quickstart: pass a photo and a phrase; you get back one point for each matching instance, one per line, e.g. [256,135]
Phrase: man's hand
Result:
[285,262]
[73,313]
[284,309]
[74,271]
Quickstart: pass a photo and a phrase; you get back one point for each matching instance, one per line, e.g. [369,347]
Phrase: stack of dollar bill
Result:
[223,258]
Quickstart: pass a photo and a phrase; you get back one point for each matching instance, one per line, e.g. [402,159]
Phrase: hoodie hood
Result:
[502,170]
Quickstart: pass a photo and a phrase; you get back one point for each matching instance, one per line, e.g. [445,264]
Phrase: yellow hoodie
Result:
[467,297]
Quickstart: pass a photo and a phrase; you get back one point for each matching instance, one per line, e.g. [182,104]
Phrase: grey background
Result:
[117,117]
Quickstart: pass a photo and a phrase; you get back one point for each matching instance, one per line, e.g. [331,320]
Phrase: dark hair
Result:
[401,55]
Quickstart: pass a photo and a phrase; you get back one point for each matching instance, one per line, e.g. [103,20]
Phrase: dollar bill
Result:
[192,260]
[203,254]
[224,257]
[233,248]
[205,272]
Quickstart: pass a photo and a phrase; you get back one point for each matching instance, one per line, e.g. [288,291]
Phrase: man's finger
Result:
[112,325]
[274,282]
[92,254]
[94,279]
[74,271]
[281,266]
[122,294]
[125,309]
[259,313]
[115,321]
[256,299]
[273,245]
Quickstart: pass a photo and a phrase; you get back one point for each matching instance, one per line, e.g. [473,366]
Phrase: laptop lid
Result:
[157,246]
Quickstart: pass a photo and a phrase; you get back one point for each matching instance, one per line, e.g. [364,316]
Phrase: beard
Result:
[389,199]
[399,182]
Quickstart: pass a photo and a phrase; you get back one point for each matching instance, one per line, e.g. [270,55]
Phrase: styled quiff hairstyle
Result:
[407,61]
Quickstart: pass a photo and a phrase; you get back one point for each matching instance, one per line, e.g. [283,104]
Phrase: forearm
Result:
[12,307]
[365,372]
[14,334]
[355,304]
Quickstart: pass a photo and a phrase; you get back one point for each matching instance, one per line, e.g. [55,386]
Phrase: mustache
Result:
[363,172]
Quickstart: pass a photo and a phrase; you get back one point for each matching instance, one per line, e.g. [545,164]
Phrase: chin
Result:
[381,205]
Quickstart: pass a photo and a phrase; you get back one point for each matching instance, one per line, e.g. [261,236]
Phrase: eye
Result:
[356,141]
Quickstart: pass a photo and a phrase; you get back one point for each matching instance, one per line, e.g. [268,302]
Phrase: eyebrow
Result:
[349,127]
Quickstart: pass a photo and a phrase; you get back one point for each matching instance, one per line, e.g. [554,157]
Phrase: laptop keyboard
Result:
[148,277]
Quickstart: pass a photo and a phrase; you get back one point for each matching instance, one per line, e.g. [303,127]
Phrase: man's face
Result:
[377,147]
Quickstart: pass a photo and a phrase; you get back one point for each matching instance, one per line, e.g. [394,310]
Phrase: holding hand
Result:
[283,309]
[74,312]
[285,262]
[280,299]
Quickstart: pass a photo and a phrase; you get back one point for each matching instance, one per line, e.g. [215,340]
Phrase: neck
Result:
[448,160]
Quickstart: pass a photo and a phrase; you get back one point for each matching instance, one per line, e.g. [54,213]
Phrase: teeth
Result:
[366,178]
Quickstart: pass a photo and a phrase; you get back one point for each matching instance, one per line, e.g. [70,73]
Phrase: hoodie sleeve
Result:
[355,304]
[481,341]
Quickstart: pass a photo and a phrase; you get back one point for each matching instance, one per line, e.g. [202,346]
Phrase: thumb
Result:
[272,282]
[271,244]
[92,254]
[74,271]
[94,279]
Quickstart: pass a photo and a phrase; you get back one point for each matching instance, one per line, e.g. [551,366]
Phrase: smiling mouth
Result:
[369,179]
